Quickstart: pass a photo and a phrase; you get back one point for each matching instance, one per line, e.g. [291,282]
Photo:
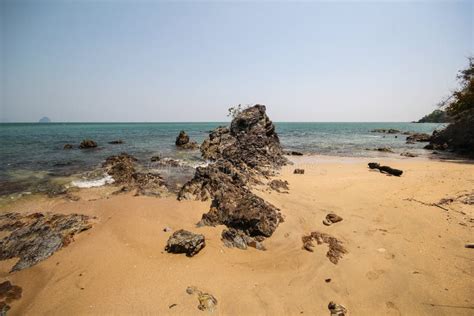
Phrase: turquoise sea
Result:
[32,154]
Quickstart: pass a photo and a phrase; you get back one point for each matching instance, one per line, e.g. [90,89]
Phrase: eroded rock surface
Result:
[122,169]
[35,237]
[239,155]
[336,249]
[183,241]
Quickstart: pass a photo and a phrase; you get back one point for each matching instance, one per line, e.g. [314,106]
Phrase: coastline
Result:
[403,256]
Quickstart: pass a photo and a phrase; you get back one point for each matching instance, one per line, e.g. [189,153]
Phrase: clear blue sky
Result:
[189,61]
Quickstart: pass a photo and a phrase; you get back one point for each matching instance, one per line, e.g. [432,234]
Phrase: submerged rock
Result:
[182,141]
[386,131]
[35,237]
[87,143]
[239,155]
[116,142]
[183,241]
[67,146]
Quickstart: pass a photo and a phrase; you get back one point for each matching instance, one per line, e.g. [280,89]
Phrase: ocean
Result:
[33,158]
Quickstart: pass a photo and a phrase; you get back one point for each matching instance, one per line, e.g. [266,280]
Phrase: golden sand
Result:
[405,256]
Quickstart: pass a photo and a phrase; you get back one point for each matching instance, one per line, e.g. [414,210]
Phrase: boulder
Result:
[183,241]
[87,143]
[183,142]
[418,137]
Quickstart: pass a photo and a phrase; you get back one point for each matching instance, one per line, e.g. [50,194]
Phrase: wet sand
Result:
[405,257]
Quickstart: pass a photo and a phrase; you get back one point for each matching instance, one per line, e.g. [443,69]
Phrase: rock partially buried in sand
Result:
[385,169]
[298,171]
[207,302]
[88,143]
[182,141]
[279,185]
[336,250]
[8,293]
[183,241]
[331,218]
[337,309]
[235,238]
[35,237]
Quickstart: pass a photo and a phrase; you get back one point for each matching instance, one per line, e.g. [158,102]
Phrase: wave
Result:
[92,183]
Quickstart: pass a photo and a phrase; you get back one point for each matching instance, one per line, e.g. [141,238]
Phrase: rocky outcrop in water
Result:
[418,137]
[183,241]
[240,154]
[35,237]
[87,143]
[122,169]
[183,142]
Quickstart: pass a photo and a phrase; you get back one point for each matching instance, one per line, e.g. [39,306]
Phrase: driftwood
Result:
[385,169]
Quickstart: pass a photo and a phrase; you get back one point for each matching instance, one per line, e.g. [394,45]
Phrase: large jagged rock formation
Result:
[239,155]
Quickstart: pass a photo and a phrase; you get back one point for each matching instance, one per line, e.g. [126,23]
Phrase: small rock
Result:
[116,142]
[337,309]
[87,143]
[183,241]
[155,158]
[298,171]
[172,305]
[67,146]
[293,153]
[327,280]
[207,302]
[331,218]
[167,229]
[408,154]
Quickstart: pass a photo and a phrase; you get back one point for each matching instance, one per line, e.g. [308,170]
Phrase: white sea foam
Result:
[92,183]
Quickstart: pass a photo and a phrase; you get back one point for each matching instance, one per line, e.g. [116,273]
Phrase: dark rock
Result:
[88,143]
[122,169]
[336,250]
[116,142]
[67,146]
[435,146]
[279,186]
[418,137]
[385,169]
[155,158]
[9,293]
[293,153]
[34,237]
[236,238]
[182,141]
[298,171]
[331,218]
[385,131]
[337,309]
[239,155]
[183,241]
[385,149]
[408,154]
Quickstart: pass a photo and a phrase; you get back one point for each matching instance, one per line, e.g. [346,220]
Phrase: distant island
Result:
[437,116]
[44,119]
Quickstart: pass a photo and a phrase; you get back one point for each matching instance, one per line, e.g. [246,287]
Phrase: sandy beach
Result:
[405,256]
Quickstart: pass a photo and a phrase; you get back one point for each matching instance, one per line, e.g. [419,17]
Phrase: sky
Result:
[152,61]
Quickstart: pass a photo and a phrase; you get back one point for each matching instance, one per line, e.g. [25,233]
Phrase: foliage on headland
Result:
[437,116]
[459,134]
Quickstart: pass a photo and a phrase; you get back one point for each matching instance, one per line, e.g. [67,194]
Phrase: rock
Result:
[385,131]
[155,158]
[9,293]
[470,245]
[385,169]
[336,250]
[116,142]
[331,218]
[182,141]
[167,229]
[35,237]
[4,308]
[434,146]
[67,146]
[240,156]
[337,309]
[183,241]
[169,162]
[279,186]
[385,149]
[122,169]
[207,302]
[408,154]
[236,238]
[298,171]
[293,153]
[418,137]
[88,143]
